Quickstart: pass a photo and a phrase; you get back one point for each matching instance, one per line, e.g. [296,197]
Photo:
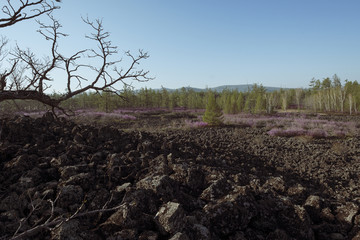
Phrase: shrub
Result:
[317,133]
[290,132]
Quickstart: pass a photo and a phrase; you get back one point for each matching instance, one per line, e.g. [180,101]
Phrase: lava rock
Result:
[346,213]
[170,218]
[216,190]
[163,186]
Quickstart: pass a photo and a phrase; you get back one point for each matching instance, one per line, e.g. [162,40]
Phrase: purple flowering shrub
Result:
[314,128]
[31,114]
[287,125]
[97,114]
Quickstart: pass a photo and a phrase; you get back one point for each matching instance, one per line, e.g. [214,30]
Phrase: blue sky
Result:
[208,43]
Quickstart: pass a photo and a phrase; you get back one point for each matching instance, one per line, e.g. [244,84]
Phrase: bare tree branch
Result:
[3,52]
[56,222]
[5,75]
[30,76]
[24,10]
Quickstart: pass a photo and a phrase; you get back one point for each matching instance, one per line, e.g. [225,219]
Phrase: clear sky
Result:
[208,43]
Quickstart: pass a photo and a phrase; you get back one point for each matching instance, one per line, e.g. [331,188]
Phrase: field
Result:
[140,174]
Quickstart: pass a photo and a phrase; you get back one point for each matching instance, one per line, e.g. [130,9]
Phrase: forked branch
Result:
[17,11]
[55,222]
[103,74]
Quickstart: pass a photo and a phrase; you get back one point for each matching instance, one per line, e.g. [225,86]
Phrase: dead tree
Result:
[20,10]
[35,74]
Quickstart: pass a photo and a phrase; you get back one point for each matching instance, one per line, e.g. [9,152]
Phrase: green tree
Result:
[259,104]
[240,102]
[248,105]
[227,104]
[195,99]
[107,101]
[284,99]
[174,99]
[165,98]
[233,102]
[184,97]
[213,114]
[353,96]
[298,95]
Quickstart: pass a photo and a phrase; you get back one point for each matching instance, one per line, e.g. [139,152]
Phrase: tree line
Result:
[326,95]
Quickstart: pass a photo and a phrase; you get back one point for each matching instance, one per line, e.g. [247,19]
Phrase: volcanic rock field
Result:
[64,180]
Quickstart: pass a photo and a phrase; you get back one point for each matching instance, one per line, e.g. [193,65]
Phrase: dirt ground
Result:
[138,180]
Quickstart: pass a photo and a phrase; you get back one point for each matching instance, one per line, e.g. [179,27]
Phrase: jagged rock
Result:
[313,201]
[293,221]
[356,237]
[160,166]
[337,236]
[137,211]
[20,163]
[254,183]
[170,218]
[238,236]
[128,216]
[97,157]
[216,190]
[67,230]
[11,201]
[73,150]
[195,179]
[113,160]
[62,160]
[106,132]
[162,186]
[10,221]
[179,236]
[346,213]
[302,215]
[327,215]
[83,180]
[70,195]
[123,187]
[230,215]
[79,139]
[126,234]
[201,232]
[149,235]
[313,207]
[67,171]
[275,183]
[278,234]
[119,192]
[146,200]
[230,182]
[298,189]
[23,184]
[99,198]
[241,179]
[48,117]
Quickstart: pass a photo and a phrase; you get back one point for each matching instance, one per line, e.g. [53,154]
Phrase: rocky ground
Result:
[61,180]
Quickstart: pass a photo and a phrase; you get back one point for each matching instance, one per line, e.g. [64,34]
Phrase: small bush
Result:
[317,133]
[292,132]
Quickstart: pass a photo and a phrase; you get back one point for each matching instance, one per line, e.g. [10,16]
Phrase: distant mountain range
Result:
[239,88]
